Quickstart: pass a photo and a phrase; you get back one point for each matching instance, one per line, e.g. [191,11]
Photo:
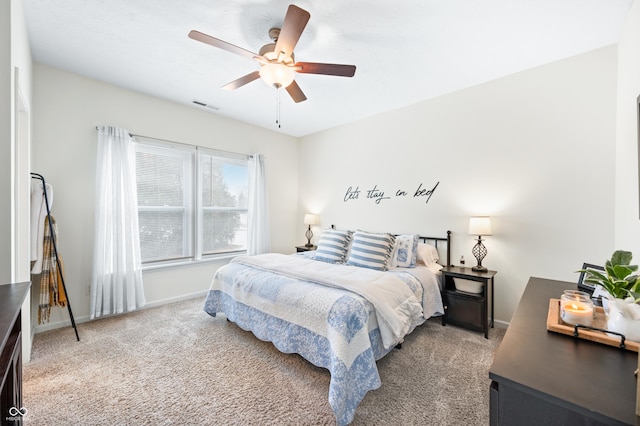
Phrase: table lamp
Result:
[479,226]
[310,219]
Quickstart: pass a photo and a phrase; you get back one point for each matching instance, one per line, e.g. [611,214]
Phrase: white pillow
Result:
[435,268]
[428,254]
[405,251]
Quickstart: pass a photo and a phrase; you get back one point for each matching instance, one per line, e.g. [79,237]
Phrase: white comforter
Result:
[397,308]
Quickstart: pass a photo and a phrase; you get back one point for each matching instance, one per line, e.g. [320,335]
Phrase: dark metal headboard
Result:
[435,243]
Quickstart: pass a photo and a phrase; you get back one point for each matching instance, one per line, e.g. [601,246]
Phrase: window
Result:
[192,202]
[224,187]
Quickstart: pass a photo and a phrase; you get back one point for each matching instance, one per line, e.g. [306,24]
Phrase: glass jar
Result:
[576,308]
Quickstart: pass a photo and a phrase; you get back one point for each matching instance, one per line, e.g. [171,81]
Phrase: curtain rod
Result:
[185,144]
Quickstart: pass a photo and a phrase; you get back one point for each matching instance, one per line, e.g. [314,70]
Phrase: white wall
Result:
[15,55]
[534,150]
[6,131]
[627,230]
[21,125]
[15,98]
[68,108]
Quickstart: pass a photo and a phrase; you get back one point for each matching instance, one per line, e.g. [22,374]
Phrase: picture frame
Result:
[588,287]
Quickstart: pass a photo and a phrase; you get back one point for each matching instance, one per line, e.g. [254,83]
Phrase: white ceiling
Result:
[405,51]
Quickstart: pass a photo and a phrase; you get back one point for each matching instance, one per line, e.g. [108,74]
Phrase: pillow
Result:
[405,251]
[332,246]
[371,250]
[435,268]
[428,254]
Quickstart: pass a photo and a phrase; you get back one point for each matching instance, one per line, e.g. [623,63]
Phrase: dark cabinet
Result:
[11,299]
[468,309]
[545,378]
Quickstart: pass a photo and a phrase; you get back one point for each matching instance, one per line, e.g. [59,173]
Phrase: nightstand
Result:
[467,309]
[300,249]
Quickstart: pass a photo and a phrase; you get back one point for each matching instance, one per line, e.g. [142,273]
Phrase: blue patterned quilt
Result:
[304,313]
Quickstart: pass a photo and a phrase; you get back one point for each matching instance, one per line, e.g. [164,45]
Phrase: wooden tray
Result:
[554,323]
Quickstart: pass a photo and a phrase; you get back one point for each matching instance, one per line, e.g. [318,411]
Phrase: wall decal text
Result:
[378,194]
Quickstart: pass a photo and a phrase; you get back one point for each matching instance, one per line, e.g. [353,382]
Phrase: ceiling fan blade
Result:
[328,69]
[216,42]
[294,22]
[242,81]
[261,59]
[295,92]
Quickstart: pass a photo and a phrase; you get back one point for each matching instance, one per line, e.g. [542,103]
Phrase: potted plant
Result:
[620,280]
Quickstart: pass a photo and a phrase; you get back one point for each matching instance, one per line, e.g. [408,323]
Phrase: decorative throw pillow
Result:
[371,250]
[332,246]
[405,251]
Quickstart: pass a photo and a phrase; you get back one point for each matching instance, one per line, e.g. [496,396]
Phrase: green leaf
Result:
[593,281]
[635,295]
[613,290]
[593,274]
[621,271]
[632,279]
[621,257]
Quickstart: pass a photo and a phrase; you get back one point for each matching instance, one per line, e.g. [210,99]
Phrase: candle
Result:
[574,312]
[576,307]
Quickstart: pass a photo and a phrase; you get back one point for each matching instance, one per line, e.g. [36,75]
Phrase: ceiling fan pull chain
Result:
[278,121]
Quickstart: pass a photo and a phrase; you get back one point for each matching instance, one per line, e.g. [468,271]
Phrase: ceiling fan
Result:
[277,64]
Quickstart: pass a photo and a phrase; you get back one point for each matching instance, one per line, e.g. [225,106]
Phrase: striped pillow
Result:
[333,246]
[371,250]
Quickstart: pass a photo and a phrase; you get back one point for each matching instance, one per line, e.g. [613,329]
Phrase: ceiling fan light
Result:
[277,75]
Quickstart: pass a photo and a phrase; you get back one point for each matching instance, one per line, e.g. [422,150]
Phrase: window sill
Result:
[185,263]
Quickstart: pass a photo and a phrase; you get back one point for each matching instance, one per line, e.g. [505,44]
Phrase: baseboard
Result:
[58,324]
[79,320]
[176,299]
[501,324]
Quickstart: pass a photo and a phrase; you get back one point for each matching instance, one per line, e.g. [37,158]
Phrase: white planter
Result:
[623,316]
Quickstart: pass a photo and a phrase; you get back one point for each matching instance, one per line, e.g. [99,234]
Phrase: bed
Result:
[341,307]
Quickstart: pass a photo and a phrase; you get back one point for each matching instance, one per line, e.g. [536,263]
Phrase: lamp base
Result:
[309,235]
[479,251]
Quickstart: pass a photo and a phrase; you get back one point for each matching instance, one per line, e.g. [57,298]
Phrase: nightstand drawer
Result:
[466,311]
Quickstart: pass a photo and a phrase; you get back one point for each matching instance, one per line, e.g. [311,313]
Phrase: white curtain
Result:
[116,282]
[258,236]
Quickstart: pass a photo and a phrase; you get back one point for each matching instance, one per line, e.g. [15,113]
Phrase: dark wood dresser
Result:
[545,378]
[11,298]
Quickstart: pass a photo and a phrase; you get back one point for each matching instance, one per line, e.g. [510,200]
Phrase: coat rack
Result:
[55,249]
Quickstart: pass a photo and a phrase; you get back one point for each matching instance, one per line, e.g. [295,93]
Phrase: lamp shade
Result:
[310,219]
[278,75]
[480,225]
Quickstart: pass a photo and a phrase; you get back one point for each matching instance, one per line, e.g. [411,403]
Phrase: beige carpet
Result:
[177,365]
